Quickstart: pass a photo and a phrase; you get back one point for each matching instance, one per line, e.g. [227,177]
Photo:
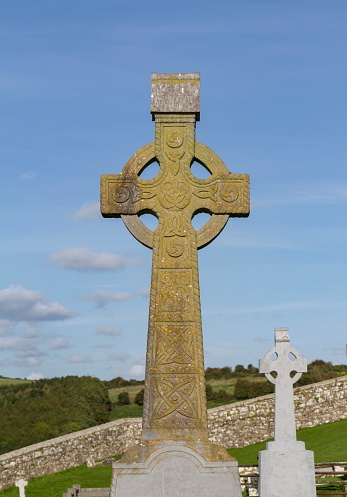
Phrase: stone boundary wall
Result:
[234,425]
[251,421]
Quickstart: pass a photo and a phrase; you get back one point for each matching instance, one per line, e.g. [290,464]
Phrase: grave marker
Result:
[285,467]
[21,484]
[175,456]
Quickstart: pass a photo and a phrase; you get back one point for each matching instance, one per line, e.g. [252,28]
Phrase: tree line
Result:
[39,410]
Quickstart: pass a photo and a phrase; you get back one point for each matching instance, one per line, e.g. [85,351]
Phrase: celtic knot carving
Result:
[175,345]
[175,397]
[175,227]
[174,195]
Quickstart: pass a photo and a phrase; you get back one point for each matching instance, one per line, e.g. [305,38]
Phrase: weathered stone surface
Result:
[234,425]
[175,93]
[285,467]
[174,401]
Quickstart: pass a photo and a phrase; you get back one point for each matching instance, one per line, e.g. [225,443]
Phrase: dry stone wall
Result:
[251,421]
[234,425]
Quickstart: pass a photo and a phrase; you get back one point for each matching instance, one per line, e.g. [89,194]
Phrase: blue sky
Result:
[75,102]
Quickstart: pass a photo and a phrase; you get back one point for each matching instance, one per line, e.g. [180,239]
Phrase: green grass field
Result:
[132,391]
[329,442]
[58,483]
[10,381]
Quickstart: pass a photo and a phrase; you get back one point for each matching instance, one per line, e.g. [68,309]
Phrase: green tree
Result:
[123,398]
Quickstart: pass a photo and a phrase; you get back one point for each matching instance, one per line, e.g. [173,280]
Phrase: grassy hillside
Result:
[11,381]
[328,441]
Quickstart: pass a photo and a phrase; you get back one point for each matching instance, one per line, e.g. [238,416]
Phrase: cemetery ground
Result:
[329,443]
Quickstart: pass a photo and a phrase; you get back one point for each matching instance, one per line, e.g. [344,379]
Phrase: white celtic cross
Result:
[283,366]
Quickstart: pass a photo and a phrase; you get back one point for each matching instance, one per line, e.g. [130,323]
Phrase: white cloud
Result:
[79,358]
[25,350]
[59,343]
[90,210]
[119,356]
[137,371]
[83,259]
[102,297]
[35,376]
[109,330]
[28,175]
[19,304]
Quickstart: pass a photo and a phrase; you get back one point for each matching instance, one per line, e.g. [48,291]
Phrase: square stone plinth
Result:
[176,470]
[288,473]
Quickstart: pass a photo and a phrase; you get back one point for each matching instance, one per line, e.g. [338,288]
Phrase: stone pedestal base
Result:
[172,469]
[286,469]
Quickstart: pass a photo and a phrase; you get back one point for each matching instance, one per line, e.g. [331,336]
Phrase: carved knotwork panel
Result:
[176,395]
[175,344]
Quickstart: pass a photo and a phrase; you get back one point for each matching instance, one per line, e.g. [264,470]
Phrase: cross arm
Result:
[125,194]
[300,365]
[224,194]
[267,366]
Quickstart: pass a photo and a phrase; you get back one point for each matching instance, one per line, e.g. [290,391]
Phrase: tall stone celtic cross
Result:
[174,403]
[283,366]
